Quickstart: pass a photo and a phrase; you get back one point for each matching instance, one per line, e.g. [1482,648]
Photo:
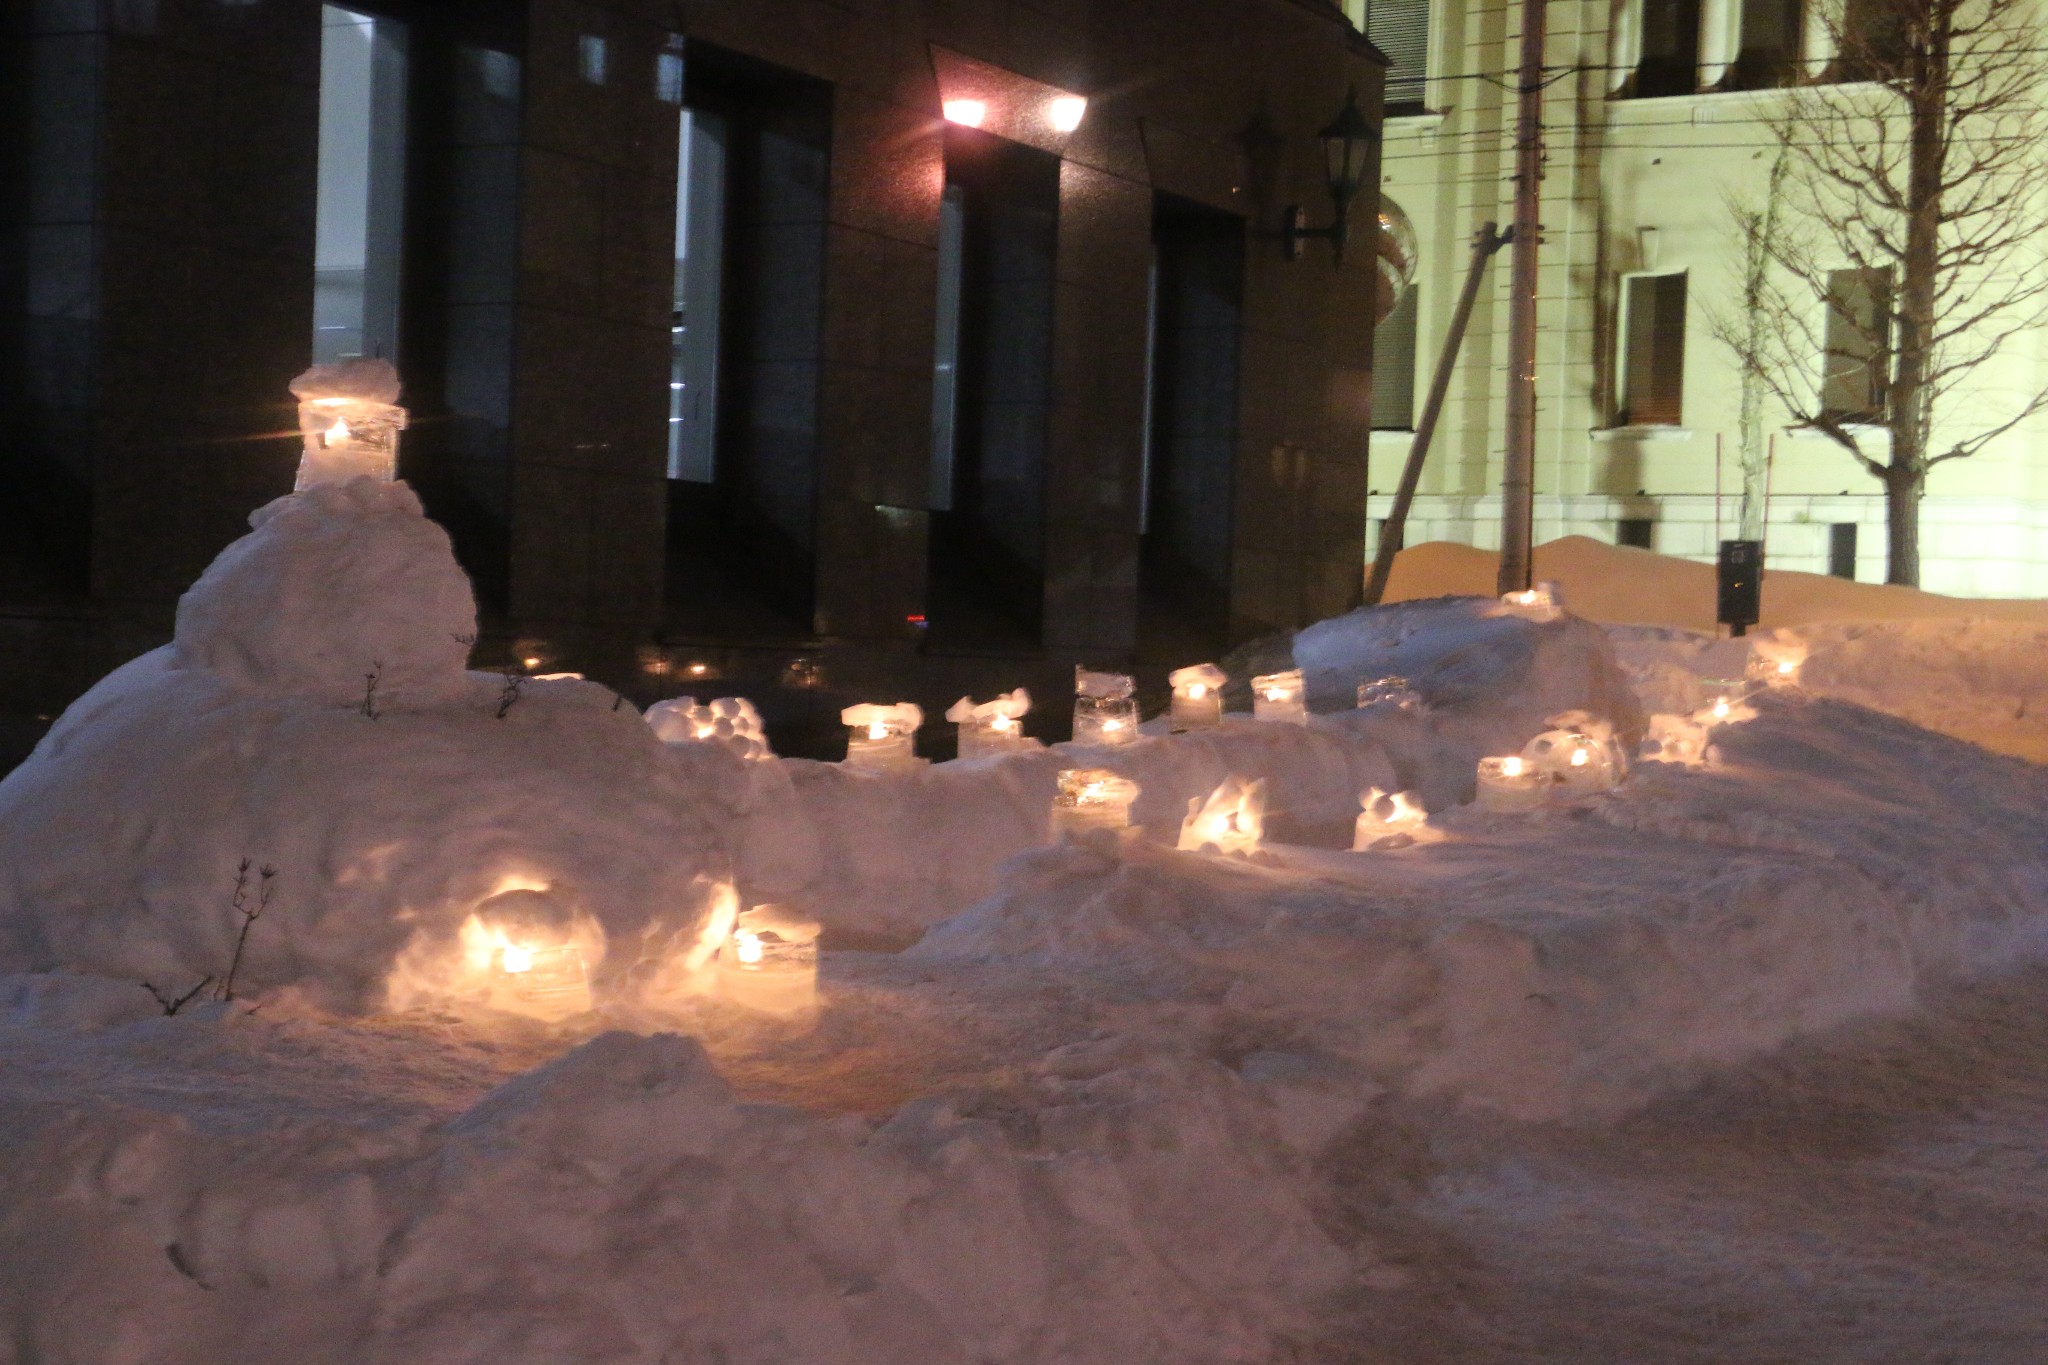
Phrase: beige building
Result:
[1659,112]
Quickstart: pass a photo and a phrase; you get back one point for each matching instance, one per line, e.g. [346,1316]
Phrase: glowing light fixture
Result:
[993,727]
[967,113]
[882,738]
[1105,708]
[349,422]
[1065,112]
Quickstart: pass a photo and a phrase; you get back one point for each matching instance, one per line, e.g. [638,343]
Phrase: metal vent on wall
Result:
[1400,28]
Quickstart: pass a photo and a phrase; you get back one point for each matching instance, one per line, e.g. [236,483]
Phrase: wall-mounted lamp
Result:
[966,113]
[1347,151]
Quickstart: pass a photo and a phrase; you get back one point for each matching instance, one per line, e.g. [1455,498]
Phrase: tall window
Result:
[1670,62]
[359,223]
[700,269]
[1769,52]
[1653,356]
[1859,343]
[1393,366]
[1400,28]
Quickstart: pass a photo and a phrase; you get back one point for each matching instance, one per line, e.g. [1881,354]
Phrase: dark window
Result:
[987,567]
[1857,362]
[1393,366]
[752,177]
[359,226]
[1670,62]
[1191,432]
[1653,365]
[1637,531]
[1842,549]
[1400,28]
[1769,54]
[1876,37]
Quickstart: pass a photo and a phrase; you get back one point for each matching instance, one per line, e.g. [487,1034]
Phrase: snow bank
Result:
[620,1204]
[1622,584]
[1571,968]
[388,812]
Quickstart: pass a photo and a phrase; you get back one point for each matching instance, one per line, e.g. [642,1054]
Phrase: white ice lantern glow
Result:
[1091,798]
[349,420]
[993,727]
[1280,696]
[1775,666]
[1543,602]
[770,961]
[1510,785]
[1105,708]
[1231,820]
[1573,762]
[534,951]
[729,721]
[1197,696]
[882,738]
[1390,820]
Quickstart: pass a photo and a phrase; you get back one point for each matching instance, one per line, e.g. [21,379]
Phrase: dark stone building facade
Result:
[1144,435]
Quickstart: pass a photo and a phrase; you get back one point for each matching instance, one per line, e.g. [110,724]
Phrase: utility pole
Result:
[1518,478]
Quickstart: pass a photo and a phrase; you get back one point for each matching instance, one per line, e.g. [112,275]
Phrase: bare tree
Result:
[1903,257]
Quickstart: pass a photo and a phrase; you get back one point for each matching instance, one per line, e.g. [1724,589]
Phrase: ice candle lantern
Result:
[350,419]
[1540,603]
[1230,821]
[1394,693]
[729,721]
[770,960]
[533,945]
[882,738]
[1573,761]
[1197,696]
[1390,820]
[1092,798]
[1105,711]
[1510,785]
[993,727]
[1281,697]
[1770,668]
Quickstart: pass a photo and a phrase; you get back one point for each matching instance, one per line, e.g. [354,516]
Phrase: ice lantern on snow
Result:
[1105,711]
[1197,696]
[531,945]
[1572,761]
[1540,603]
[350,420]
[882,738]
[729,721]
[1230,821]
[770,961]
[1280,696]
[1390,820]
[1092,798]
[994,727]
[1510,785]
[1393,693]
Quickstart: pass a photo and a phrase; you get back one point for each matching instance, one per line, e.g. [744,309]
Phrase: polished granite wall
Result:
[157,282]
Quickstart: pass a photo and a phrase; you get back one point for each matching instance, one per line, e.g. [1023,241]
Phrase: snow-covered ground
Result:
[1740,1061]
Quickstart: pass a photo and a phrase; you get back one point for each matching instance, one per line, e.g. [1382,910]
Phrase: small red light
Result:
[915,620]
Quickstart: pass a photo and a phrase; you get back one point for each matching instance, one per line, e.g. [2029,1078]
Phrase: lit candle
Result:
[1105,709]
[349,422]
[1540,603]
[993,727]
[882,738]
[1390,820]
[1510,785]
[729,721]
[1231,820]
[1197,696]
[770,961]
[1574,761]
[1091,798]
[1281,697]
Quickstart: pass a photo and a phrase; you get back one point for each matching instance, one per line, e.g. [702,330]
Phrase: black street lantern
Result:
[1348,142]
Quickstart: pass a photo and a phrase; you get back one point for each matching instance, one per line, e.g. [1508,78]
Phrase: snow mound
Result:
[1575,965]
[620,1204]
[388,813]
[1625,585]
[335,586]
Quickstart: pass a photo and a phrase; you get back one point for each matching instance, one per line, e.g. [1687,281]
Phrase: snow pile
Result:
[1622,584]
[313,716]
[622,1204]
[1562,967]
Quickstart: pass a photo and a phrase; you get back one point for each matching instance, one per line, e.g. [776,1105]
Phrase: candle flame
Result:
[338,434]
[1001,723]
[1786,667]
[1578,758]
[1720,708]
[1109,725]
[747,947]
[878,731]
[516,959]
[1197,691]
[1511,767]
[699,670]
